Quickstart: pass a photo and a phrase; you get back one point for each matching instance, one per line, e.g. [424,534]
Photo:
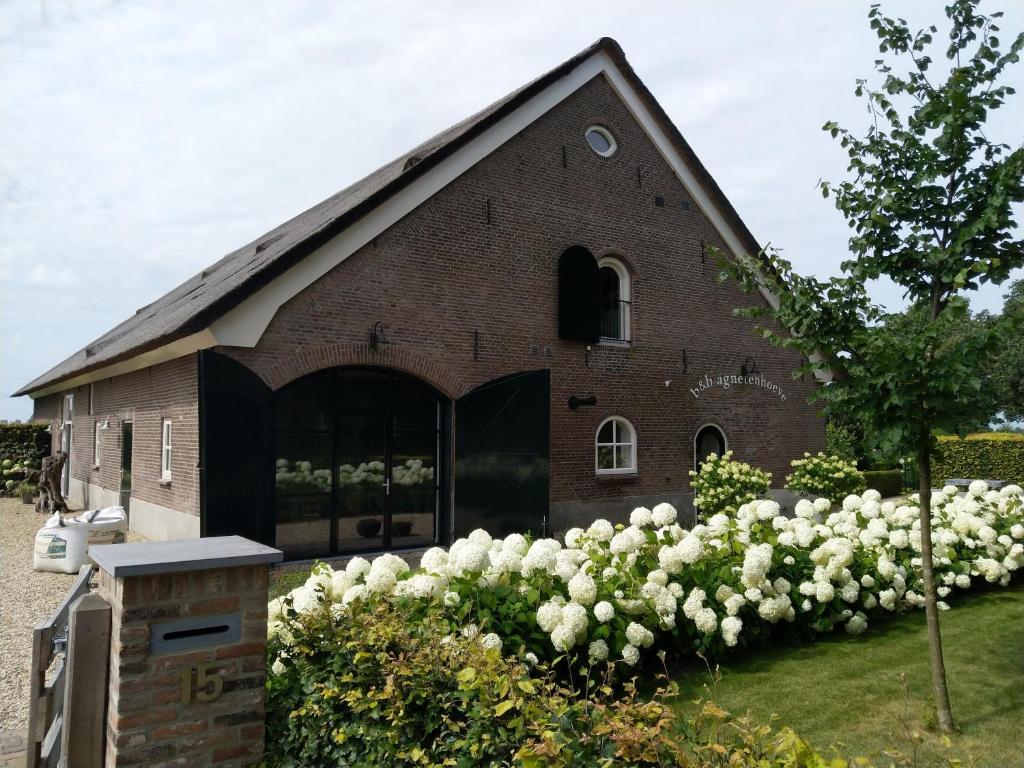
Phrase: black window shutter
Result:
[579,296]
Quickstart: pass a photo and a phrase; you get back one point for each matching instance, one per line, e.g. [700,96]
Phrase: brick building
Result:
[514,325]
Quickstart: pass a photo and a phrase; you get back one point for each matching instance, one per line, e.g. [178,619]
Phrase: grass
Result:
[283,581]
[849,690]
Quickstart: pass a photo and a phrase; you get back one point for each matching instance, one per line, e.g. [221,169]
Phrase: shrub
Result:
[842,440]
[888,482]
[829,477]
[369,687]
[373,688]
[723,485]
[619,592]
[982,456]
[22,447]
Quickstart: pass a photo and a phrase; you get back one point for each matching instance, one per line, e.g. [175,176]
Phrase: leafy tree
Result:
[1008,367]
[930,199]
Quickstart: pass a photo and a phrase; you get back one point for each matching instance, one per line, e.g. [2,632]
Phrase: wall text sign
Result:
[724,381]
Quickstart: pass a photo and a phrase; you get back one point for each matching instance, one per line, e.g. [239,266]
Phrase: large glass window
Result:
[616,447]
[357,468]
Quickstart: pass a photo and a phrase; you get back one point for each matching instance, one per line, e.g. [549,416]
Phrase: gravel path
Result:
[26,596]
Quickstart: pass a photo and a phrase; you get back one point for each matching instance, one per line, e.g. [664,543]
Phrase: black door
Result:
[126,466]
[501,455]
[236,433]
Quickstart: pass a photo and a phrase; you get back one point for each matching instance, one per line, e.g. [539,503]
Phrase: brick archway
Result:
[393,357]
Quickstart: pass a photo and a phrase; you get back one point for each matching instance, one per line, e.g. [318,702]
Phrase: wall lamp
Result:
[576,402]
[749,367]
[377,338]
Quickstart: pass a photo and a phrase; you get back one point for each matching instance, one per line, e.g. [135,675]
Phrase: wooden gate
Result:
[46,703]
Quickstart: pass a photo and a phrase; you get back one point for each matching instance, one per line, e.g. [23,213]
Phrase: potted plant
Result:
[368,527]
[26,491]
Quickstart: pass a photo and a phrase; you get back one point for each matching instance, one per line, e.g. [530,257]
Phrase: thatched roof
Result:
[199,301]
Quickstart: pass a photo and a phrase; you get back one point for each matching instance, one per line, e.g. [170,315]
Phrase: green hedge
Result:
[888,482]
[22,447]
[982,456]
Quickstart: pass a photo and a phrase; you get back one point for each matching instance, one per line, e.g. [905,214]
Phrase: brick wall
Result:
[444,272]
[145,397]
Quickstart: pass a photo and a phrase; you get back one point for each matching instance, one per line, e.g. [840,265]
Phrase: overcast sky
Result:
[140,141]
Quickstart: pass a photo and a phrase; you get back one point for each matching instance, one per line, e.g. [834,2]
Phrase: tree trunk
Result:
[931,599]
[50,497]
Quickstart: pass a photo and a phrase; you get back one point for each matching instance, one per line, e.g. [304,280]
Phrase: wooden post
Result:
[85,701]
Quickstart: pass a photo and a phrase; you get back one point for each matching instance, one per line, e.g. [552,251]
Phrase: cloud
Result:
[141,141]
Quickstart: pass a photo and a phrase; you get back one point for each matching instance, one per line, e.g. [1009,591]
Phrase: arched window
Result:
[615,447]
[613,279]
[709,439]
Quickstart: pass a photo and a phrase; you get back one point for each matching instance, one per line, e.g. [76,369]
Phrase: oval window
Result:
[601,140]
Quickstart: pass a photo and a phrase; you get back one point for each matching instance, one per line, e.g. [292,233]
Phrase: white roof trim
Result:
[178,348]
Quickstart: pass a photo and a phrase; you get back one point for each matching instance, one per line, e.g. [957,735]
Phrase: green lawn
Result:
[284,581]
[846,689]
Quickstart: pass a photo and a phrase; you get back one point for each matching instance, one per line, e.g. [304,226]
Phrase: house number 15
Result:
[208,685]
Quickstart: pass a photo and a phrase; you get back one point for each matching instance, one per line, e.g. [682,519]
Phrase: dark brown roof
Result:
[197,302]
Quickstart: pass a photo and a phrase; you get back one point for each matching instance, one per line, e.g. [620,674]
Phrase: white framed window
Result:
[165,450]
[613,279]
[601,140]
[96,429]
[615,447]
[69,407]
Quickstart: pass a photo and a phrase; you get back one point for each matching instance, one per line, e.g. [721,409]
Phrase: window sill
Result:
[165,482]
[95,467]
[617,477]
[615,343]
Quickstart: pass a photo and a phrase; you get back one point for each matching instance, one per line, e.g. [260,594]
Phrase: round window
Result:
[601,140]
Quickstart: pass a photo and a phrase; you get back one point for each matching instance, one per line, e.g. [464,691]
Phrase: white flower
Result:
[867,581]
[491,642]
[977,487]
[575,617]
[641,517]
[357,592]
[899,538]
[603,612]
[658,577]
[572,538]
[549,616]
[630,654]
[731,627]
[639,635]
[277,668]
[597,652]
[452,599]
[357,567]
[824,592]
[583,589]
[601,530]
[706,621]
[664,514]
[821,506]
[563,638]
[857,623]
[531,658]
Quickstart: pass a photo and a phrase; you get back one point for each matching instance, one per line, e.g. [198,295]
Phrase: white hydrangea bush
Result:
[723,485]
[615,592]
[832,477]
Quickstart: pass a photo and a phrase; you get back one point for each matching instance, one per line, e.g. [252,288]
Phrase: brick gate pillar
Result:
[187,650]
